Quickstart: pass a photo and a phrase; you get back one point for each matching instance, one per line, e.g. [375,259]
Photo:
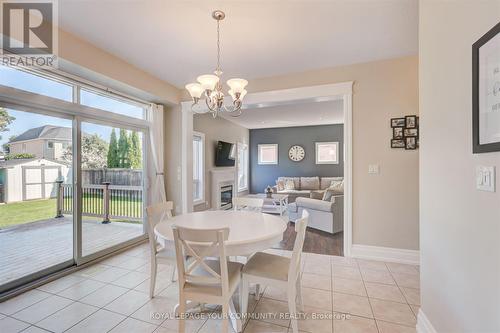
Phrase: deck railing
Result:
[106,201]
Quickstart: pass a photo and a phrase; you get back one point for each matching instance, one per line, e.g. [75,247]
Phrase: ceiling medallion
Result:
[210,85]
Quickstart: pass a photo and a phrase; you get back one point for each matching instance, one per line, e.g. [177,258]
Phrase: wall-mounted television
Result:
[225,154]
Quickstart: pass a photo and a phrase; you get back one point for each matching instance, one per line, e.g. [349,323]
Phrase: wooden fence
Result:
[122,177]
[106,201]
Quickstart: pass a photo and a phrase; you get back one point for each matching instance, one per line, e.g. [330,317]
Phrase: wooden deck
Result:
[28,248]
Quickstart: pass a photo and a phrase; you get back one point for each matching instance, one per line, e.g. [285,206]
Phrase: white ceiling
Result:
[302,114]
[175,40]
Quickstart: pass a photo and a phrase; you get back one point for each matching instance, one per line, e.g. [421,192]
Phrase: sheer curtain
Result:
[155,165]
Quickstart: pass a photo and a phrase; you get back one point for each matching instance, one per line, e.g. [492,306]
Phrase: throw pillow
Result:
[328,195]
[281,185]
[289,185]
[337,186]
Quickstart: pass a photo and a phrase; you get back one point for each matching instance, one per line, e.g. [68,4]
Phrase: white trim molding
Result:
[385,254]
[424,324]
[203,181]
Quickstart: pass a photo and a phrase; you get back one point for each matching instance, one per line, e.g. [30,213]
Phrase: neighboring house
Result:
[47,141]
[31,179]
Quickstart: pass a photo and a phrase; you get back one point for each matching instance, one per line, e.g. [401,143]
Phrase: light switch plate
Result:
[485,178]
[374,169]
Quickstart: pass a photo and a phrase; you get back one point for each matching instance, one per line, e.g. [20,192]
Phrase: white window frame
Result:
[319,144]
[202,169]
[267,145]
[244,147]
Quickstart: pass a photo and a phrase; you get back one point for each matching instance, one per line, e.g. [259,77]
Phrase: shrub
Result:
[19,156]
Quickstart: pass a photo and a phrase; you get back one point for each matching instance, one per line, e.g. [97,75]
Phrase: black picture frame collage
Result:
[405,132]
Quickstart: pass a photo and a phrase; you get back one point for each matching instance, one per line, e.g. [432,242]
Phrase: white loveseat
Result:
[327,216]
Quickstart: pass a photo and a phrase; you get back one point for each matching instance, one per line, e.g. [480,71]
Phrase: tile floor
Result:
[345,295]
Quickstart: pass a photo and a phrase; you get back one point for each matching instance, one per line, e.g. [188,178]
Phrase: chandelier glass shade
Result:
[209,86]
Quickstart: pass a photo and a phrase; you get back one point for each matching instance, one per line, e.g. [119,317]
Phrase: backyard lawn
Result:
[26,211]
[35,210]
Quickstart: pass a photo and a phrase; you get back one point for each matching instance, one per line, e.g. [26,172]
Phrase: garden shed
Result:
[31,179]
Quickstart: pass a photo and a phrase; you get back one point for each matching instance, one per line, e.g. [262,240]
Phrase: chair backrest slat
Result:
[252,204]
[300,229]
[199,245]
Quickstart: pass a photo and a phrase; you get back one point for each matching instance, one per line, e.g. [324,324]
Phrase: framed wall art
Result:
[486,92]
[405,132]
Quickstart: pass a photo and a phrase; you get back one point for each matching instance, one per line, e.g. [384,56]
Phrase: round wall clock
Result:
[296,153]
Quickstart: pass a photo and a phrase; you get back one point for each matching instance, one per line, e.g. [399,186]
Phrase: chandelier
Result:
[210,85]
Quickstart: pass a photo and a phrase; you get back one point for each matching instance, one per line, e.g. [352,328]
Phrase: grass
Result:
[26,211]
[35,210]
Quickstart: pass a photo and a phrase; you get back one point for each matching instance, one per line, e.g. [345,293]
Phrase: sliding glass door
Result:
[112,181]
[36,238]
[72,161]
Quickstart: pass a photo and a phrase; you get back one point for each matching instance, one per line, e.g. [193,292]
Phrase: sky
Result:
[32,83]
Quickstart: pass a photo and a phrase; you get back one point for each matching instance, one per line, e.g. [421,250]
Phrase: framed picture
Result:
[486,92]
[398,122]
[398,143]
[411,143]
[267,154]
[411,132]
[327,152]
[397,132]
[411,121]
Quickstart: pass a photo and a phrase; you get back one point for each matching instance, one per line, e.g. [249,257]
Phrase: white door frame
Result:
[320,93]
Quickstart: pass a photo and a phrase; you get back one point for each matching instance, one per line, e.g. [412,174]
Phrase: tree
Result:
[5,146]
[135,151]
[5,120]
[113,153]
[94,152]
[123,144]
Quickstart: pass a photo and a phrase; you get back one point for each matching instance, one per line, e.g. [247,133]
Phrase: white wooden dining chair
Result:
[278,271]
[209,277]
[250,204]
[160,253]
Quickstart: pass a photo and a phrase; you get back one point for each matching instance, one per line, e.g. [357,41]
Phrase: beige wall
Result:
[215,130]
[460,226]
[385,206]
[112,71]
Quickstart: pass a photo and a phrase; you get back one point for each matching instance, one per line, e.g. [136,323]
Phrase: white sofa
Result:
[305,187]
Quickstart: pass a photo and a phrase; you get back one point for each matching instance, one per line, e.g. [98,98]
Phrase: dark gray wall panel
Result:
[263,175]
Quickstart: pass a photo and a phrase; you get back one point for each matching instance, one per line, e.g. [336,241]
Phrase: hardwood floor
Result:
[316,241]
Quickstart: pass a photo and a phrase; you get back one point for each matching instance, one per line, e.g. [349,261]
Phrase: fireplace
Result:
[223,188]
[226,197]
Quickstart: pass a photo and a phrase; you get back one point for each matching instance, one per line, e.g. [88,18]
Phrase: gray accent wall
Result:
[285,137]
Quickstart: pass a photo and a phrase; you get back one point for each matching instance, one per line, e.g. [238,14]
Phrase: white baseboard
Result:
[423,323]
[385,254]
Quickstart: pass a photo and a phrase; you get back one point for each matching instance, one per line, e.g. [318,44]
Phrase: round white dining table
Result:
[249,232]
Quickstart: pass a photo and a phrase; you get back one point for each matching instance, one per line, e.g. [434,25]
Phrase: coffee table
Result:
[277,204]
